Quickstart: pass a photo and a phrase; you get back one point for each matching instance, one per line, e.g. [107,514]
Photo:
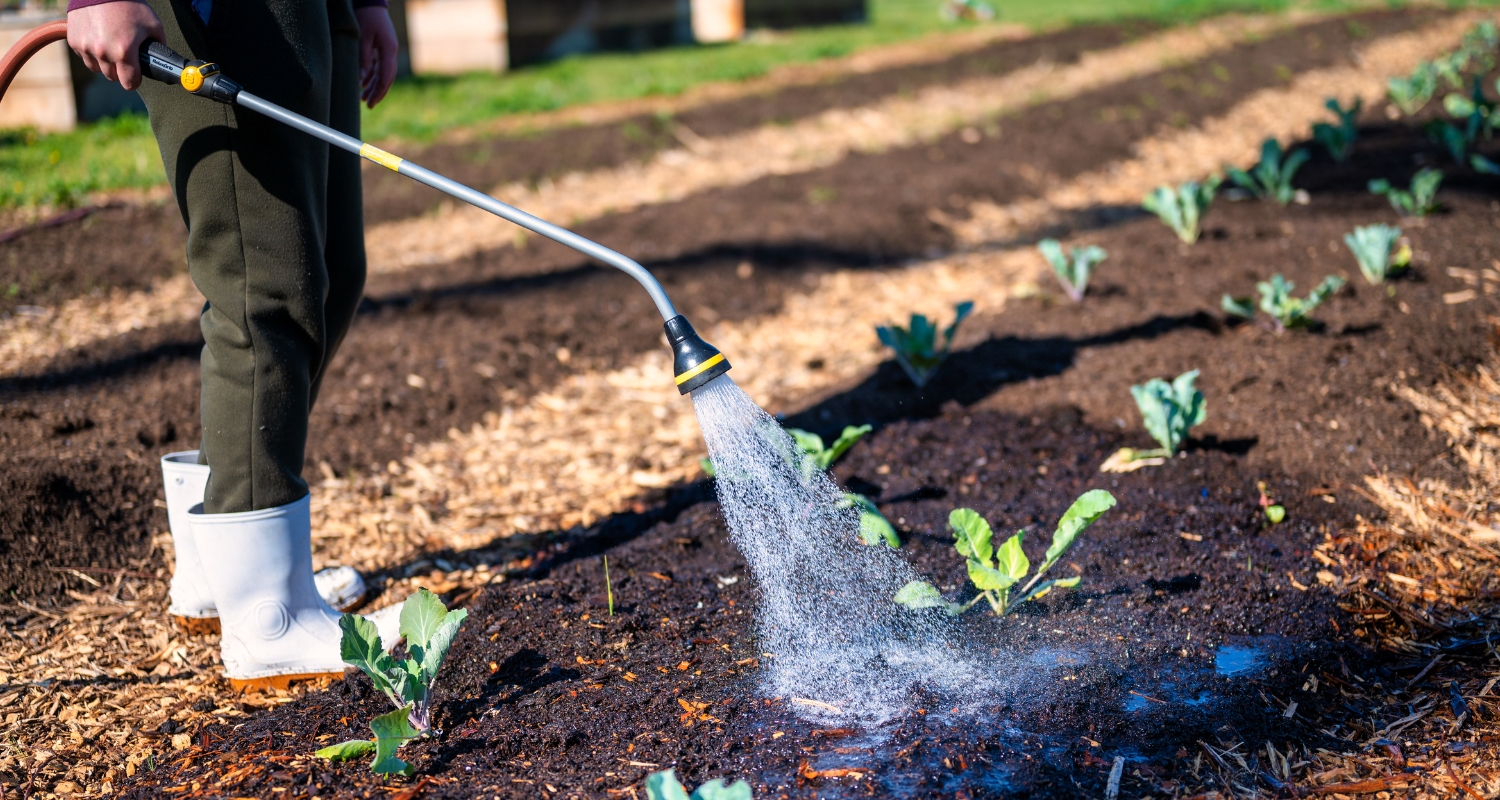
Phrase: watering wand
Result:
[695,362]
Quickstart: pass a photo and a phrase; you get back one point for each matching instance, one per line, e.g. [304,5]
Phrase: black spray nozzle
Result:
[695,362]
[162,63]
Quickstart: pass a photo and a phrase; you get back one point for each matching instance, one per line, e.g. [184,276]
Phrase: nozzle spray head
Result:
[695,362]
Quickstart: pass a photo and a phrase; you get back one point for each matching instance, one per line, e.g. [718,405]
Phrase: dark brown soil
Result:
[122,246]
[549,154]
[1030,150]
[494,323]
[1171,640]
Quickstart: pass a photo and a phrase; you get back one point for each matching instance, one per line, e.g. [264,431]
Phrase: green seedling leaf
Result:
[1073,268]
[917,349]
[874,528]
[347,751]
[664,786]
[1011,559]
[716,790]
[1419,201]
[847,439]
[1275,514]
[1182,208]
[1046,587]
[1277,302]
[988,579]
[421,615]
[1271,177]
[436,651]
[810,443]
[1170,410]
[391,731]
[1339,139]
[972,534]
[1413,92]
[1373,247]
[1083,513]
[920,594]
[360,647]
[708,467]
[1483,165]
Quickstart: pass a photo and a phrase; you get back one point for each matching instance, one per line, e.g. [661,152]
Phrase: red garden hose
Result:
[21,51]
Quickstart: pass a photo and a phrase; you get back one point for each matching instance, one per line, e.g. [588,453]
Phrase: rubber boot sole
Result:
[280,682]
[198,626]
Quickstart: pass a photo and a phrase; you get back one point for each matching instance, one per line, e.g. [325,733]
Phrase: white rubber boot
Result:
[191,603]
[258,566]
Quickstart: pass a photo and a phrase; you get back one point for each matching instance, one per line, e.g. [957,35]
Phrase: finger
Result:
[387,71]
[107,69]
[89,61]
[130,74]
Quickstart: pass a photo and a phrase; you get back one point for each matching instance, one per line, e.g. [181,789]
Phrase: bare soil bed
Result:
[490,326]
[1197,624]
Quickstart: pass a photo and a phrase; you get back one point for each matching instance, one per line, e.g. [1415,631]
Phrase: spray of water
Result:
[826,612]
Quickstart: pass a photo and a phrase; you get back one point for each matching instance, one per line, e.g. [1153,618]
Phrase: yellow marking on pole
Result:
[381,157]
[700,369]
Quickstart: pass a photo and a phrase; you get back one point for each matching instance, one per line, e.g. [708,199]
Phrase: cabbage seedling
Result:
[996,571]
[1169,411]
[664,786]
[812,444]
[1420,200]
[874,528]
[1338,139]
[1182,208]
[1413,92]
[428,628]
[1372,245]
[1271,177]
[1074,267]
[1277,302]
[1478,113]
[917,348]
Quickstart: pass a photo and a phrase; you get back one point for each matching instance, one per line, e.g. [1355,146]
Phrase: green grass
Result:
[60,169]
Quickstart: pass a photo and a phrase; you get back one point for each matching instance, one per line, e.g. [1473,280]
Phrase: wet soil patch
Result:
[546,688]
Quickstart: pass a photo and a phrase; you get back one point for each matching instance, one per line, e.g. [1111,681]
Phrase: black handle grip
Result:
[161,63]
[202,78]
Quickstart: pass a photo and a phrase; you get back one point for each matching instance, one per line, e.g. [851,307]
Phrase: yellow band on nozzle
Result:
[700,369]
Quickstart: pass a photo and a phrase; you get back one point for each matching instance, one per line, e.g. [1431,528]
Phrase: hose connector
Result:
[695,362]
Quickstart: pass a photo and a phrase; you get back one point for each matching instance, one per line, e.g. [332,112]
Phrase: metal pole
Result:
[471,196]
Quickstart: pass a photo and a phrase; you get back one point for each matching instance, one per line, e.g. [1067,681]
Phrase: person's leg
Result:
[344,251]
[254,195]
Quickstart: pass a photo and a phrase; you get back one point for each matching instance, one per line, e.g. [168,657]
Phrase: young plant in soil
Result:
[996,571]
[428,628]
[1420,200]
[1169,411]
[664,786]
[1271,177]
[1339,139]
[812,445]
[1182,208]
[1074,267]
[874,528]
[1276,300]
[918,349]
[1372,246]
[1414,91]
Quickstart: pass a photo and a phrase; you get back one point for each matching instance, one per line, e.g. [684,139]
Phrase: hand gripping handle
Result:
[161,63]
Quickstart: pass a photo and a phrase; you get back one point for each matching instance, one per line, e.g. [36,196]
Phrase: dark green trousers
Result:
[275,229]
